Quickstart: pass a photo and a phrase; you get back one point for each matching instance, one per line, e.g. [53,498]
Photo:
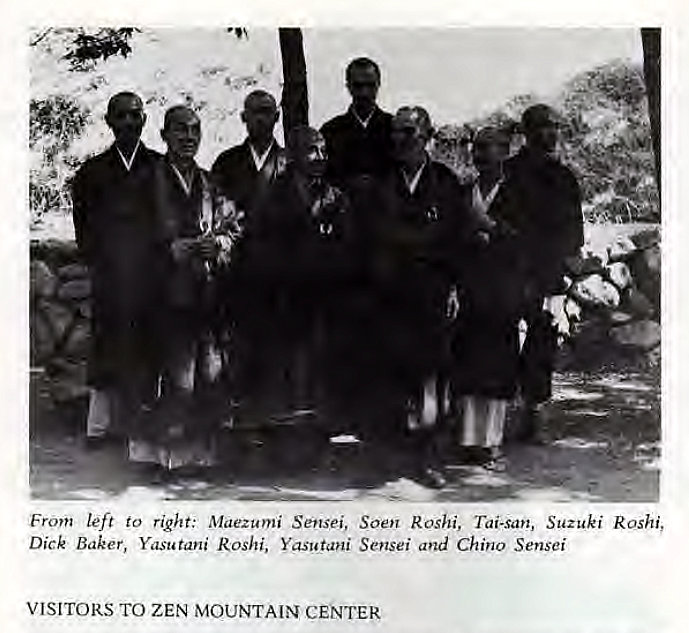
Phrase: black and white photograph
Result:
[335,264]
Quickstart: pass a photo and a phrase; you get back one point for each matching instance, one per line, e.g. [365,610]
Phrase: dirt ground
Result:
[603,444]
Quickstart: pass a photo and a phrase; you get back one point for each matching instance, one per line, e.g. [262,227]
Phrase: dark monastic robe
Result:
[188,322]
[185,311]
[540,203]
[234,172]
[115,231]
[294,254]
[400,336]
[356,150]
[485,345]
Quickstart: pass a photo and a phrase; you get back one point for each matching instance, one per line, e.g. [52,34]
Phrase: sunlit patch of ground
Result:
[603,435]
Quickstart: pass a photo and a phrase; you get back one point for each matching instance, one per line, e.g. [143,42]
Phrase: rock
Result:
[572,310]
[644,335]
[646,238]
[586,264]
[618,273]
[74,290]
[646,270]
[654,357]
[42,281]
[617,317]
[590,343]
[84,309]
[556,306]
[594,291]
[56,252]
[41,339]
[59,317]
[621,249]
[72,271]
[637,304]
[78,344]
[68,380]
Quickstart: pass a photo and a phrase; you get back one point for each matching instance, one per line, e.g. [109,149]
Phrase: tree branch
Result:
[40,37]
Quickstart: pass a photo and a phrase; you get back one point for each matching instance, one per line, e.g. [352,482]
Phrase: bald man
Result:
[194,232]
[113,215]
[245,172]
[295,250]
[486,343]
[541,201]
[425,223]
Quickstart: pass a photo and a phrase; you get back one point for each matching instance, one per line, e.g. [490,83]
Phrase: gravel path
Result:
[604,445]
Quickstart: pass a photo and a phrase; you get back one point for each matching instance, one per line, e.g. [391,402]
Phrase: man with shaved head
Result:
[424,226]
[294,253]
[486,342]
[193,230]
[245,172]
[541,202]
[113,215]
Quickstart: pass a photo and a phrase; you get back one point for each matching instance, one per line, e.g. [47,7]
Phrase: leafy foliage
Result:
[606,139]
[90,47]
[54,123]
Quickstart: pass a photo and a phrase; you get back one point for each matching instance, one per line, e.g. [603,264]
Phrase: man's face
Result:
[312,157]
[260,116]
[488,154]
[408,139]
[363,84]
[182,134]
[126,119]
[544,136]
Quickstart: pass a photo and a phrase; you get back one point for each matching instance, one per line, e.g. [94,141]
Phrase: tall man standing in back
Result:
[359,148]
[358,141]
[541,202]
[114,226]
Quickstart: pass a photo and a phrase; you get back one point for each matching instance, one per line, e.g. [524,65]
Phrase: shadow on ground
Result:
[603,445]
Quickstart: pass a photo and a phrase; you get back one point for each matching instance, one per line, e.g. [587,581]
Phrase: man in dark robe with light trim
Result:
[113,215]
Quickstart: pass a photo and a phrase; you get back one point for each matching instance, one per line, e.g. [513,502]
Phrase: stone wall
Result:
[612,302]
[612,307]
[59,317]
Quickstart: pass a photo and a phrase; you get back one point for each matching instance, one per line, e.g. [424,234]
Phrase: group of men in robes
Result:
[347,278]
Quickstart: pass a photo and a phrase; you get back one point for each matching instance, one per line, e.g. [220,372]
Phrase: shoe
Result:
[99,442]
[495,460]
[95,442]
[432,478]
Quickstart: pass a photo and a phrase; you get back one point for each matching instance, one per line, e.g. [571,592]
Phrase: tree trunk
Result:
[650,39]
[295,100]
